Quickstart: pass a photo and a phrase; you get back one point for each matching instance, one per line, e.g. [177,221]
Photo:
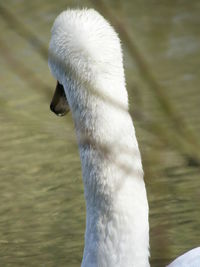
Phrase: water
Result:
[42,211]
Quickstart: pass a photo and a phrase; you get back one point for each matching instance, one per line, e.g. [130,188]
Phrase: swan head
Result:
[85,53]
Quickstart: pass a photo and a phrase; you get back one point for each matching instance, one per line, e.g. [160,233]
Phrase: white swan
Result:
[85,57]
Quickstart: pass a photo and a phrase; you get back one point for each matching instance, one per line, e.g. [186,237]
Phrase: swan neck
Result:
[116,203]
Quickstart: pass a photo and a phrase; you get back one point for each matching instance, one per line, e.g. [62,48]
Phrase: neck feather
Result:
[85,57]
[116,203]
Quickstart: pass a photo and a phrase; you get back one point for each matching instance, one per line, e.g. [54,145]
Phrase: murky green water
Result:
[42,212]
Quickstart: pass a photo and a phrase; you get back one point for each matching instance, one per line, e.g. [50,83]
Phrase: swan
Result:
[85,57]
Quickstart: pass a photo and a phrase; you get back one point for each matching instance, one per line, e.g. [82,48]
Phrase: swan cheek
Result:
[59,104]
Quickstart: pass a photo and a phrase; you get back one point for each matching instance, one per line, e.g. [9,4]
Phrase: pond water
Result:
[42,211]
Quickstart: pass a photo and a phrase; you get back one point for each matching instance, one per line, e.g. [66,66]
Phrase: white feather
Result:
[189,259]
[85,57]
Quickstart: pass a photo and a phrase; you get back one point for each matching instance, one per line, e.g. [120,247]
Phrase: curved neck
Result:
[86,58]
[116,203]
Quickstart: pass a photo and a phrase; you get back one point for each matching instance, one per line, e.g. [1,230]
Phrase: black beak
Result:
[59,104]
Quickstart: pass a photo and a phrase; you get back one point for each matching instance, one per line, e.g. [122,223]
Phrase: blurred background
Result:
[42,209]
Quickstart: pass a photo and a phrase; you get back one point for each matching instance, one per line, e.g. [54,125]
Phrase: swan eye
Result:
[59,104]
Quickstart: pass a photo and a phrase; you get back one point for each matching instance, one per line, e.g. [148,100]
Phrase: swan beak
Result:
[59,104]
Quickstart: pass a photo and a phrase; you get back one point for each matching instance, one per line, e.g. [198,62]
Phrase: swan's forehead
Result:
[85,52]
[84,40]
